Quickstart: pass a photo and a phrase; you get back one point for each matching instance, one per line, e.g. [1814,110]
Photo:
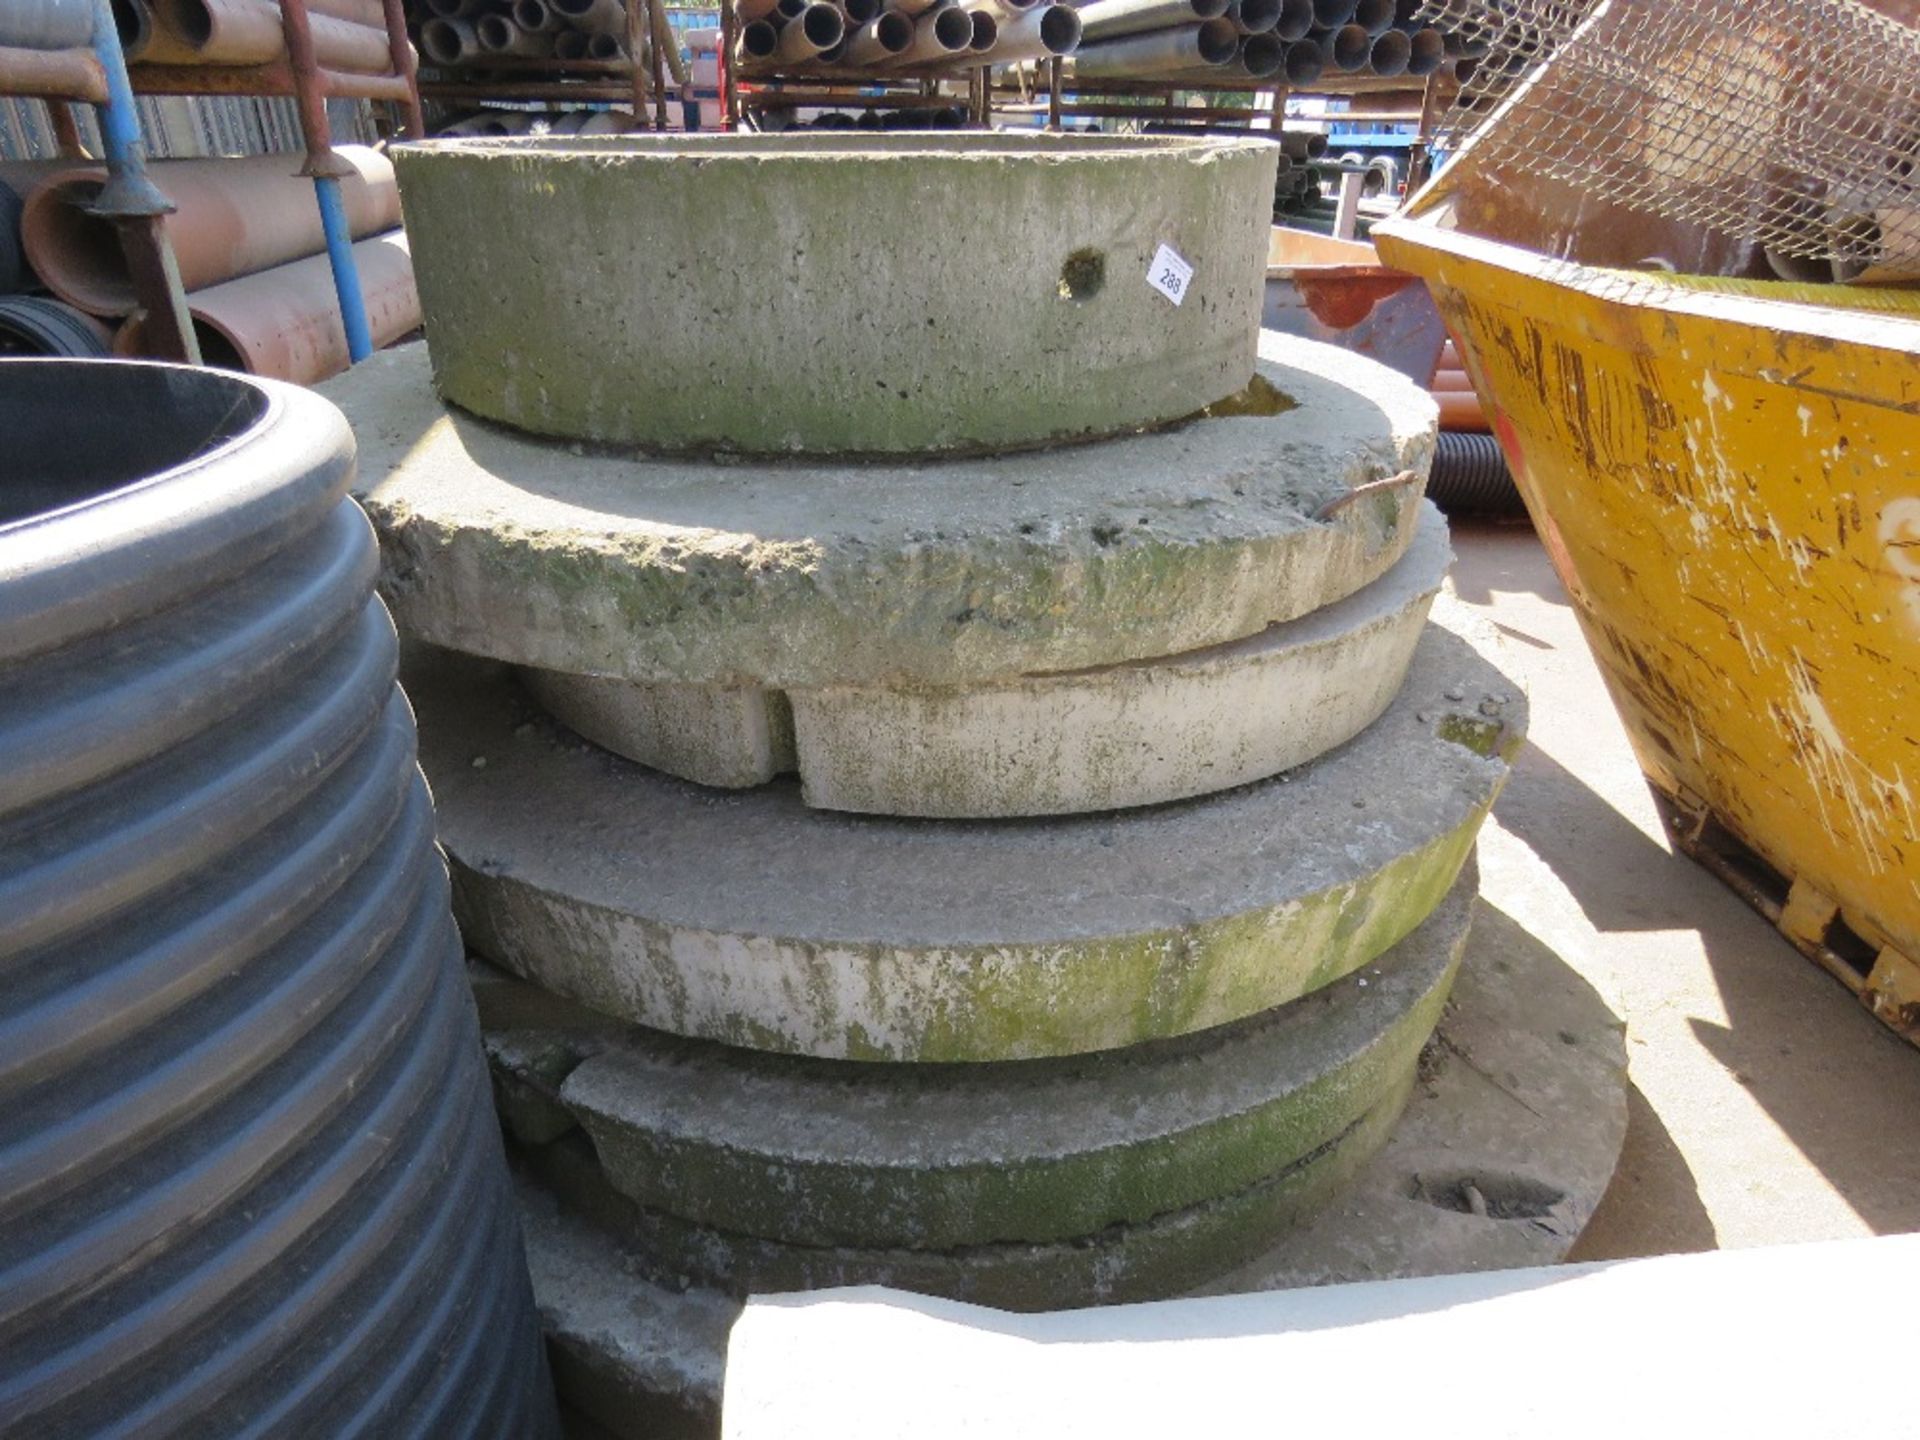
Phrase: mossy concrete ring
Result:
[934,1157]
[747,918]
[946,574]
[838,294]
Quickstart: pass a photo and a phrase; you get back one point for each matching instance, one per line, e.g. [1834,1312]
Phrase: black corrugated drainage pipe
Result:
[250,1182]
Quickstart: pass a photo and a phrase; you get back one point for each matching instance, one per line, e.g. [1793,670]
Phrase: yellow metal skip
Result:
[1730,489]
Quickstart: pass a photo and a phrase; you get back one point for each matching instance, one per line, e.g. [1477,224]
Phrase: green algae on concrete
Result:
[747,918]
[1164,1256]
[836,294]
[946,573]
[814,1152]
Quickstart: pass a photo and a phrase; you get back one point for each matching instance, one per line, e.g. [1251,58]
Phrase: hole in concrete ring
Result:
[1488,1193]
[1083,275]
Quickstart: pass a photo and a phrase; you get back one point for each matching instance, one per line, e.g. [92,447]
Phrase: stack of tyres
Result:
[248,1179]
[1001,828]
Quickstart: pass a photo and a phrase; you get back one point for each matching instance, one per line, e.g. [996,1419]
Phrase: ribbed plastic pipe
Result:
[1470,476]
[250,1183]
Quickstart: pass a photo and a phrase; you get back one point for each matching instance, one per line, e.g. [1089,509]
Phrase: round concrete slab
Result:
[838,294]
[630,1345]
[1110,738]
[746,917]
[1138,734]
[1121,1263]
[813,1152]
[947,574]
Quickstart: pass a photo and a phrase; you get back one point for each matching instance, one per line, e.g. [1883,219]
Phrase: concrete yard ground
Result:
[1767,1107]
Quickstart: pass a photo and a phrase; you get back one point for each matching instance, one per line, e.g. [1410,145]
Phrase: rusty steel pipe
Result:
[1109,19]
[1047,30]
[75,74]
[936,35]
[668,47]
[1185,47]
[284,323]
[46,24]
[1374,16]
[449,42]
[1351,48]
[370,13]
[758,40]
[1392,49]
[879,40]
[818,27]
[605,17]
[234,216]
[249,32]
[1427,50]
[500,36]
[1263,55]
[1253,17]
[1296,20]
[1305,62]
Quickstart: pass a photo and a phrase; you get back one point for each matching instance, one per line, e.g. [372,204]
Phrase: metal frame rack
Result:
[918,88]
[552,79]
[101,77]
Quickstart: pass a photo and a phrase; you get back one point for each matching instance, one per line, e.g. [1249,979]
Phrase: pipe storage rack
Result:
[97,73]
[642,67]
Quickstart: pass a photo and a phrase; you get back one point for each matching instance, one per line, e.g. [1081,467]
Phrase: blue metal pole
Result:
[346,274]
[128,190]
[134,203]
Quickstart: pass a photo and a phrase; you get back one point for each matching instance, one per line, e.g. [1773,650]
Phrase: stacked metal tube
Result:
[1295,41]
[906,37]
[349,36]
[250,250]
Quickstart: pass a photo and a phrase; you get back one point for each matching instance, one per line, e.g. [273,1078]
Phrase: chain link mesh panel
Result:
[1794,124]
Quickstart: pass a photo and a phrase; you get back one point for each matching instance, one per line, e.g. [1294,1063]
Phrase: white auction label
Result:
[1169,274]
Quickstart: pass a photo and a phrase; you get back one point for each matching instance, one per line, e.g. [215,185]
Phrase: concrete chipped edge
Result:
[1142,733]
[649,899]
[814,1152]
[593,563]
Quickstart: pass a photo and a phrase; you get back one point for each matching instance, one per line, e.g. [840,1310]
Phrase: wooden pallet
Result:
[1886,981]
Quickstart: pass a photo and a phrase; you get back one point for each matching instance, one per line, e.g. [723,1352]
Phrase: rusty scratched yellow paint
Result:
[1730,487]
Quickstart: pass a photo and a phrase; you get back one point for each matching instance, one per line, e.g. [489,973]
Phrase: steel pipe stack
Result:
[905,38]
[250,249]
[1304,40]
[918,819]
[349,36]
[455,34]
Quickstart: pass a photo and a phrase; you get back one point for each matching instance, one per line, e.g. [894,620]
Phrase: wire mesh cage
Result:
[1793,124]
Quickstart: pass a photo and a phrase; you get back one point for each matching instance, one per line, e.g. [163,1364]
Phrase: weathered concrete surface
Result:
[643,1360]
[1506,1020]
[1160,1257]
[1522,1095]
[943,573]
[729,736]
[1689,1345]
[1105,739]
[837,294]
[814,1152]
[746,917]
[1138,734]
